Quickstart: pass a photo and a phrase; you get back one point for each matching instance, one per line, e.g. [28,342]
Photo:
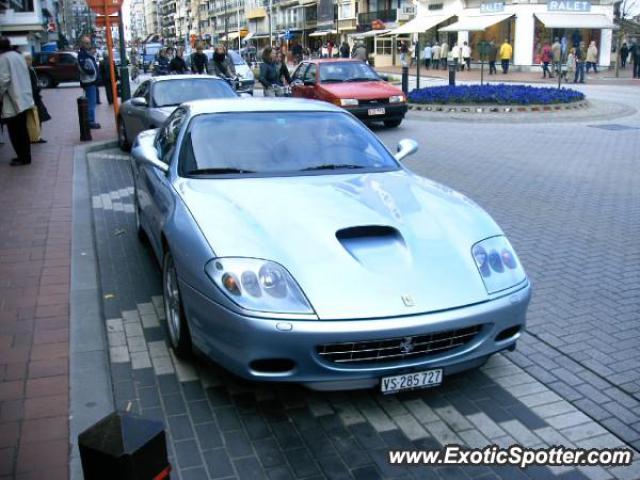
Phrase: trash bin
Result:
[453,67]
[124,446]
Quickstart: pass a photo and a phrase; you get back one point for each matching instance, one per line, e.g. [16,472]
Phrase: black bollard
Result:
[83,118]
[453,66]
[405,80]
[124,446]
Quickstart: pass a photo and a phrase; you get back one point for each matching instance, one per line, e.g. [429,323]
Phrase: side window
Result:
[168,135]
[67,59]
[310,75]
[142,90]
[299,73]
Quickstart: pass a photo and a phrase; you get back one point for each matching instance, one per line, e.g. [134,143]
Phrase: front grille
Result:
[393,349]
[379,102]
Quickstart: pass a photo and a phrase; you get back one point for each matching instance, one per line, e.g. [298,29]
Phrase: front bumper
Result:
[391,112]
[235,341]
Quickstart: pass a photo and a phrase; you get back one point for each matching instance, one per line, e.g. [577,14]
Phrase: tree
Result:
[623,12]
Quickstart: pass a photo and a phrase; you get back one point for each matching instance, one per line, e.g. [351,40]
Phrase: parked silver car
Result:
[296,248]
[155,99]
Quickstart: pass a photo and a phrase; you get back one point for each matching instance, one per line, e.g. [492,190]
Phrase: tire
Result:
[393,123]
[45,81]
[177,328]
[123,141]
[142,235]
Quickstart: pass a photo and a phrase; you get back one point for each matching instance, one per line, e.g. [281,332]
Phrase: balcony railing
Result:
[384,15]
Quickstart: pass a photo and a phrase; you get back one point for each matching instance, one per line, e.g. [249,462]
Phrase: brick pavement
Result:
[35,214]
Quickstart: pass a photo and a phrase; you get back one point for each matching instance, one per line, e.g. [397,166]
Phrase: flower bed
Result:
[499,94]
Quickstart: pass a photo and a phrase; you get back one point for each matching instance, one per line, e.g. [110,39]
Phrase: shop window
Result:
[19,5]
[436,6]
[569,38]
[384,46]
[496,33]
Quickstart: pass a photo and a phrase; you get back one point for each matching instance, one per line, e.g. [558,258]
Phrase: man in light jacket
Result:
[444,52]
[435,56]
[88,76]
[17,100]
[592,57]
[556,50]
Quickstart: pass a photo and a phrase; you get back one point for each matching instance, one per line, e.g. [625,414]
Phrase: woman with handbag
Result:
[41,109]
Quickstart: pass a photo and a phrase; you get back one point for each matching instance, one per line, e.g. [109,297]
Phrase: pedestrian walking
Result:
[456,55]
[426,54]
[634,51]
[404,52]
[88,75]
[581,55]
[177,63]
[268,73]
[506,50]
[330,49]
[466,55]
[435,56]
[344,50]
[17,100]
[592,57]
[556,56]
[624,53]
[444,54]
[492,54]
[360,53]
[571,65]
[43,113]
[199,60]
[546,58]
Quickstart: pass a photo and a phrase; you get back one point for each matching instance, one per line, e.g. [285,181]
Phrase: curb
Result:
[91,394]
[499,108]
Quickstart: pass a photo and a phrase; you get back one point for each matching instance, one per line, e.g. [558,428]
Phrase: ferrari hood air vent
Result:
[374,246]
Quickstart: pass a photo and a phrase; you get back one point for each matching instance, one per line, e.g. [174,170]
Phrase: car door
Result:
[310,81]
[134,116]
[155,192]
[68,68]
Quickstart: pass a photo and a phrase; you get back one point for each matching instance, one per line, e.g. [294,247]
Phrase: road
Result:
[568,197]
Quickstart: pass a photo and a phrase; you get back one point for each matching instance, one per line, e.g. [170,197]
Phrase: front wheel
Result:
[45,81]
[393,123]
[177,327]
[123,141]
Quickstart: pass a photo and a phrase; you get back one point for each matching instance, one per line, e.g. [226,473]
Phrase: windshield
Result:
[272,143]
[346,72]
[237,59]
[167,93]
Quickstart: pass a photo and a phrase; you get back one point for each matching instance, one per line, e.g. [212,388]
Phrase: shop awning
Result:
[576,20]
[249,36]
[370,33]
[476,23]
[231,36]
[256,36]
[19,40]
[322,33]
[420,24]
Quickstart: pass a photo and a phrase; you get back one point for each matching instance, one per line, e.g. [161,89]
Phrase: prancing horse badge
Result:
[408,300]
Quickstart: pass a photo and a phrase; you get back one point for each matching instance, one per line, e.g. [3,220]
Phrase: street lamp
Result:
[270,23]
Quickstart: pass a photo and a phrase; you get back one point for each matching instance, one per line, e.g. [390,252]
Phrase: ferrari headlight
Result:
[396,99]
[348,102]
[259,285]
[498,264]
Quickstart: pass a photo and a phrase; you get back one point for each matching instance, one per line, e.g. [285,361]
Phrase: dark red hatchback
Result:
[353,85]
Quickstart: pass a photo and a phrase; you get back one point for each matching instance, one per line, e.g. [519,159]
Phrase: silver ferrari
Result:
[296,248]
[156,98]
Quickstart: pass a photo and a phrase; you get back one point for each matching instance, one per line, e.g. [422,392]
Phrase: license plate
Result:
[376,111]
[409,381]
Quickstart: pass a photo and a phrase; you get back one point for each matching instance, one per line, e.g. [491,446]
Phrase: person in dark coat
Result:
[624,53]
[43,113]
[199,60]
[177,63]
[268,73]
[492,54]
[105,75]
[344,50]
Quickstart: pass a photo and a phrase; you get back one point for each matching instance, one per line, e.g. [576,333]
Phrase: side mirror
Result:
[309,83]
[406,147]
[139,102]
[149,155]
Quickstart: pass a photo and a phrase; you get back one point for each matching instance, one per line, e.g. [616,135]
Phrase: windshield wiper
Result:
[331,166]
[331,80]
[216,171]
[361,79]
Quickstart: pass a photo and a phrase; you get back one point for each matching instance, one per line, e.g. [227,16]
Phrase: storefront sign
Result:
[492,7]
[569,6]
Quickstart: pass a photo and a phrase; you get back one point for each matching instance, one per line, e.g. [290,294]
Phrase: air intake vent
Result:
[367,231]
